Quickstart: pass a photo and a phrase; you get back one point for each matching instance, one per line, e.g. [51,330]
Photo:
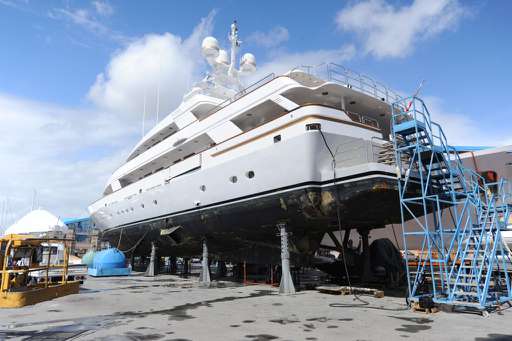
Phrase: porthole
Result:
[131,209]
[140,190]
[155,202]
[250,174]
[277,138]
[142,205]
[202,188]
[233,179]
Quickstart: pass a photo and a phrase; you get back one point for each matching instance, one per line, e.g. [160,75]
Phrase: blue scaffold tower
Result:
[451,215]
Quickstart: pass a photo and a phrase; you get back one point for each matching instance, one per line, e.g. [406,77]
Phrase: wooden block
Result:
[378,294]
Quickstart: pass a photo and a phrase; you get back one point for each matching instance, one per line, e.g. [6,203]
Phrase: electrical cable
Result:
[394,234]
[120,236]
[136,244]
[338,215]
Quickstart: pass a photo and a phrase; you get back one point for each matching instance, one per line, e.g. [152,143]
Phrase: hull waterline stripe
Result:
[264,193]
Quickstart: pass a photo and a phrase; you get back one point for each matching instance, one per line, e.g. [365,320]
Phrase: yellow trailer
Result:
[20,255]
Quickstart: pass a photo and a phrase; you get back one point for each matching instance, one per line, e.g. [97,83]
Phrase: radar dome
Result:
[248,63]
[222,58]
[210,47]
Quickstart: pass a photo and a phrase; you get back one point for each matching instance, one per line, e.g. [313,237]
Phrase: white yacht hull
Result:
[293,182]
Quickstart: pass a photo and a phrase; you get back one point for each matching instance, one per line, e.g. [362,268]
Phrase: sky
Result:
[73,74]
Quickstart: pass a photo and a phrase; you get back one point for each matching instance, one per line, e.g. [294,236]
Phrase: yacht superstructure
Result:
[231,162]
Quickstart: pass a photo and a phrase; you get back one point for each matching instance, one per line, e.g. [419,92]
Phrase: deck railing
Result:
[336,73]
[329,72]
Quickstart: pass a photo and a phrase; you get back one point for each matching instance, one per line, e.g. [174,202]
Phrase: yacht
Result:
[309,148]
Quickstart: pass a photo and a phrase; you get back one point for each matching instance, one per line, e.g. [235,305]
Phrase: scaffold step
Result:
[461,284]
[445,175]
[408,127]
[467,275]
[466,293]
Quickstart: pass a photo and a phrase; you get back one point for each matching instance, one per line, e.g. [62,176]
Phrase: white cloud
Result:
[86,20]
[275,37]
[103,8]
[463,130]
[67,154]
[155,61]
[55,151]
[389,31]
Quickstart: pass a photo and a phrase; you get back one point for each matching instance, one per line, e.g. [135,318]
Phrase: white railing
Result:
[339,74]
[330,72]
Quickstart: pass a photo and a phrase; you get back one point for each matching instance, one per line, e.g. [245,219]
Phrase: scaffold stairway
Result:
[456,216]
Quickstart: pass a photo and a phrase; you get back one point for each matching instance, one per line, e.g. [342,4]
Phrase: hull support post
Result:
[286,287]
[151,270]
[205,268]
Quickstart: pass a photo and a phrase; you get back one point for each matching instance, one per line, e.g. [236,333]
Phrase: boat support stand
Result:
[205,269]
[286,287]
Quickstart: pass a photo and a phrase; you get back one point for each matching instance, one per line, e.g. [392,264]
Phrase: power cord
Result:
[338,215]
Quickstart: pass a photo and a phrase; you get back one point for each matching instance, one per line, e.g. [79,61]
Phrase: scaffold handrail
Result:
[461,259]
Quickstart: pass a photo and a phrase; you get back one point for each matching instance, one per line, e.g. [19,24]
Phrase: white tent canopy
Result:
[37,221]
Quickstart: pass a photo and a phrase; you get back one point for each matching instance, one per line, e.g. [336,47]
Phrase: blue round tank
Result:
[88,258]
[109,259]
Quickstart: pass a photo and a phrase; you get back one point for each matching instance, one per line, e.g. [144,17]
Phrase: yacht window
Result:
[250,174]
[277,138]
[155,202]
[142,205]
[202,188]
[233,179]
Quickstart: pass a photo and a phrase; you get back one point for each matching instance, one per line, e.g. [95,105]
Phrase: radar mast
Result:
[223,80]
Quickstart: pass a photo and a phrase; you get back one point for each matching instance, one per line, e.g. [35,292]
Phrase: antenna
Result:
[144,112]
[34,195]
[158,90]
[419,88]
[2,214]
[235,43]
[416,93]
[157,100]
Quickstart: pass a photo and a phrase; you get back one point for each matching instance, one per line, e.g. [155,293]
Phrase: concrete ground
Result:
[170,308]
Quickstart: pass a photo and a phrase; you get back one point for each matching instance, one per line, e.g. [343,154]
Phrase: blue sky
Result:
[68,73]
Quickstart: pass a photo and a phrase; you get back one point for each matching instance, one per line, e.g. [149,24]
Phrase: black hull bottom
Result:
[246,230]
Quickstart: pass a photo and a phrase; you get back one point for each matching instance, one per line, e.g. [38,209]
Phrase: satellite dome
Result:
[210,47]
[222,58]
[248,63]
[36,222]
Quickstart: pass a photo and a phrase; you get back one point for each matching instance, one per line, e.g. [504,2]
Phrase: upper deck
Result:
[203,121]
